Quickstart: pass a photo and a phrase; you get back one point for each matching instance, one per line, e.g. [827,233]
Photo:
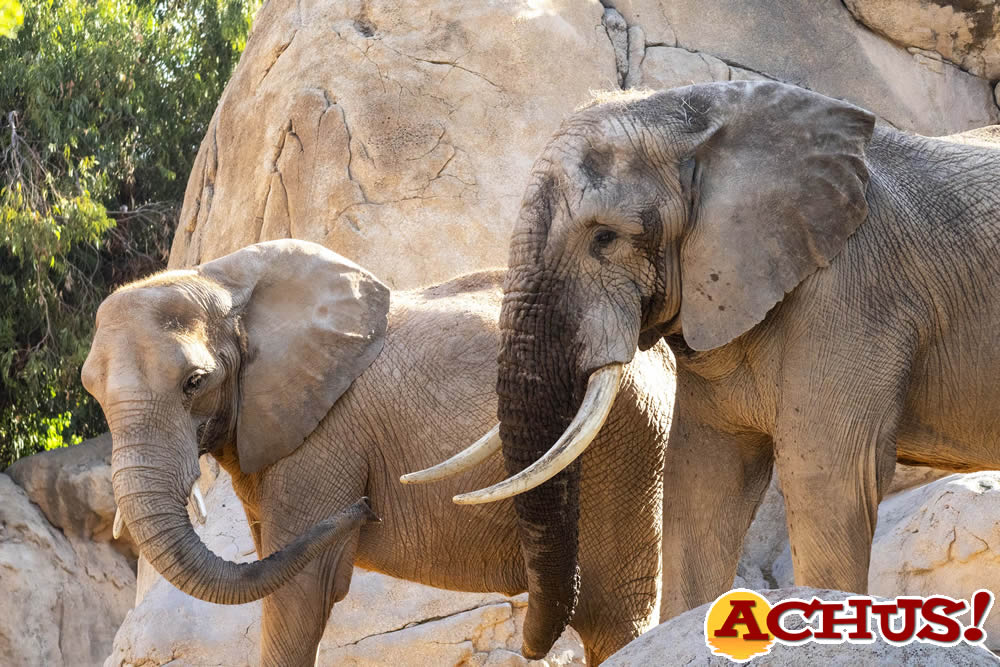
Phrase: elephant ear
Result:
[314,322]
[779,187]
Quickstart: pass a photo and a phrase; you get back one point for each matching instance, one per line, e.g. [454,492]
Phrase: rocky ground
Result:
[66,587]
[70,591]
[683,639]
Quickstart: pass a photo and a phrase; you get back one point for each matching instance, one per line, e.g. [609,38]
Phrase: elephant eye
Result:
[604,237]
[194,381]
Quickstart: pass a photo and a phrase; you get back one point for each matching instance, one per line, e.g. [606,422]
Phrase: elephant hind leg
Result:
[833,476]
[835,452]
[713,483]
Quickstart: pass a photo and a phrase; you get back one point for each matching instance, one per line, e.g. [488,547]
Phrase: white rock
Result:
[941,538]
[63,598]
[681,641]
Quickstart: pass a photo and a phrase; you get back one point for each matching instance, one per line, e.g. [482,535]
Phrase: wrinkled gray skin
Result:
[689,214]
[427,394]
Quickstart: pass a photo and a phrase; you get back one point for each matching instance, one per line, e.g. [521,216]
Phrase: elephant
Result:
[312,388]
[830,289]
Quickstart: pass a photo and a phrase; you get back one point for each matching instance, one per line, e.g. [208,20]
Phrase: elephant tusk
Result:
[199,504]
[602,387]
[468,458]
[116,528]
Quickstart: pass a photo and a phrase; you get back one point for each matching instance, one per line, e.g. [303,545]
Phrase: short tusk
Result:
[468,458]
[199,504]
[116,528]
[601,391]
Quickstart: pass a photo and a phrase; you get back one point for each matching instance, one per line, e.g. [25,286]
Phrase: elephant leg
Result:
[834,468]
[294,618]
[713,483]
[299,491]
[620,535]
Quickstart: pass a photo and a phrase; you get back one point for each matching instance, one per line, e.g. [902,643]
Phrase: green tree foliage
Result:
[11,17]
[103,104]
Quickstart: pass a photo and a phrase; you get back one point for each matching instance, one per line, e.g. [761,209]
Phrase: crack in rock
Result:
[431,619]
[280,50]
[350,161]
[618,33]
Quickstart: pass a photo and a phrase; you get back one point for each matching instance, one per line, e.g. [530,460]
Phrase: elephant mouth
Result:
[602,388]
[200,437]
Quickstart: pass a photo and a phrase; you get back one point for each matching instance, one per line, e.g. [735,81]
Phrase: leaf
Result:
[11,18]
[111,99]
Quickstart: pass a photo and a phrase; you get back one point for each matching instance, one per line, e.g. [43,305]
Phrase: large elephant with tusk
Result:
[830,288]
[289,365]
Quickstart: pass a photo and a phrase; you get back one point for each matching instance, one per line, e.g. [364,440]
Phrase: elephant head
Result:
[251,349]
[688,212]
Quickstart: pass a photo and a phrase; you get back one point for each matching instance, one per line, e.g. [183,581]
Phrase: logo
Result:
[742,624]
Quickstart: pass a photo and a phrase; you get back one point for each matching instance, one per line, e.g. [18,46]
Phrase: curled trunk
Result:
[151,486]
[538,395]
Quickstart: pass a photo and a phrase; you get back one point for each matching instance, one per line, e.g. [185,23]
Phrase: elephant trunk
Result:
[539,391]
[152,481]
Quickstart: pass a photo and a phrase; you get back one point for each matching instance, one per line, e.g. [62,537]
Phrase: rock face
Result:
[381,621]
[965,33]
[63,597]
[72,487]
[818,45]
[401,134]
[940,538]
[681,641]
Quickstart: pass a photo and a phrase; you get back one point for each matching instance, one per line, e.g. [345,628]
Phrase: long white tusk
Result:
[601,391]
[199,504]
[116,528]
[468,458]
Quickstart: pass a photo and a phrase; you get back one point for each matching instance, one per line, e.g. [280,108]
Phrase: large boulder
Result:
[72,487]
[63,597]
[399,134]
[941,538]
[966,33]
[381,621]
[681,641]
[818,45]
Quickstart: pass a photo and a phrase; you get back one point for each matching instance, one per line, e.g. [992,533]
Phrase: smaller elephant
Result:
[288,364]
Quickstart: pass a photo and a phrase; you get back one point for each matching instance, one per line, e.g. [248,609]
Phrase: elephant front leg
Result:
[713,484]
[294,618]
[316,482]
[620,534]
